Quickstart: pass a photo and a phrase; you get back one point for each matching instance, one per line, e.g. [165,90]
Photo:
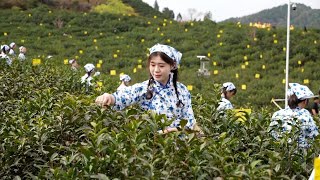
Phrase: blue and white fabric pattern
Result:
[229,86]
[224,104]
[5,48]
[89,67]
[125,78]
[163,101]
[169,51]
[291,117]
[302,92]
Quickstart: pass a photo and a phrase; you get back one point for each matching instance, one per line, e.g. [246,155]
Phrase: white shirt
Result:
[86,79]
[224,104]
[11,52]
[7,58]
[21,57]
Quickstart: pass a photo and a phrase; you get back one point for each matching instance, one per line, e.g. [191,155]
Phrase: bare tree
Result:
[192,12]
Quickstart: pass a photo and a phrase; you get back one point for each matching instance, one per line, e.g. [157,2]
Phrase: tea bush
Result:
[51,128]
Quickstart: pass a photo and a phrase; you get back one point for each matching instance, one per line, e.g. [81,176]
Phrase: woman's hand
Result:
[105,100]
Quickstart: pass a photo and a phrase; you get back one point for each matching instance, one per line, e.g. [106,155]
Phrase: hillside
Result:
[52,129]
[133,7]
[237,52]
[303,16]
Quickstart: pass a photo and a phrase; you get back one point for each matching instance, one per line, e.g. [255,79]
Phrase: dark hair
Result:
[293,101]
[224,91]
[170,61]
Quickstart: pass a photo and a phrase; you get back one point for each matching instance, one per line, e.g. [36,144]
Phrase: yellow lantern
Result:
[257,76]
[36,62]
[190,87]
[243,87]
[113,72]
[215,72]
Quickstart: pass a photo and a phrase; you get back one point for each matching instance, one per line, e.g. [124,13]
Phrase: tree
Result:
[194,14]
[207,16]
[179,17]
[168,13]
[192,11]
[156,6]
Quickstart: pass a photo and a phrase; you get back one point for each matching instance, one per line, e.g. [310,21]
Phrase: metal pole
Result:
[287,54]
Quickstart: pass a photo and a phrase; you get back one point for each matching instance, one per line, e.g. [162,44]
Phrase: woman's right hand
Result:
[105,100]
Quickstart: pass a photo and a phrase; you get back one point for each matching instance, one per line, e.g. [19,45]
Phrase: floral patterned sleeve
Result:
[187,111]
[129,95]
[309,127]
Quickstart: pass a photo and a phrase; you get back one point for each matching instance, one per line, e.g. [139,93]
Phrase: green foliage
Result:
[51,129]
[114,7]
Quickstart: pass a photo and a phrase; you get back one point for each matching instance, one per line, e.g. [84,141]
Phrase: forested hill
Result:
[134,7]
[303,16]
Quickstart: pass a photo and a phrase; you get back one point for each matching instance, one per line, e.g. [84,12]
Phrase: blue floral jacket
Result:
[163,101]
[308,128]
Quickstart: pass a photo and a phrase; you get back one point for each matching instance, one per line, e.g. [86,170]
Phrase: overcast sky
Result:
[224,9]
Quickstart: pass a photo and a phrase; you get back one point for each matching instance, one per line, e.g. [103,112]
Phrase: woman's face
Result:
[159,69]
[229,94]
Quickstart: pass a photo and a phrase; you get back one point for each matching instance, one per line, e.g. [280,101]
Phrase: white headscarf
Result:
[174,54]
[302,92]
[229,86]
